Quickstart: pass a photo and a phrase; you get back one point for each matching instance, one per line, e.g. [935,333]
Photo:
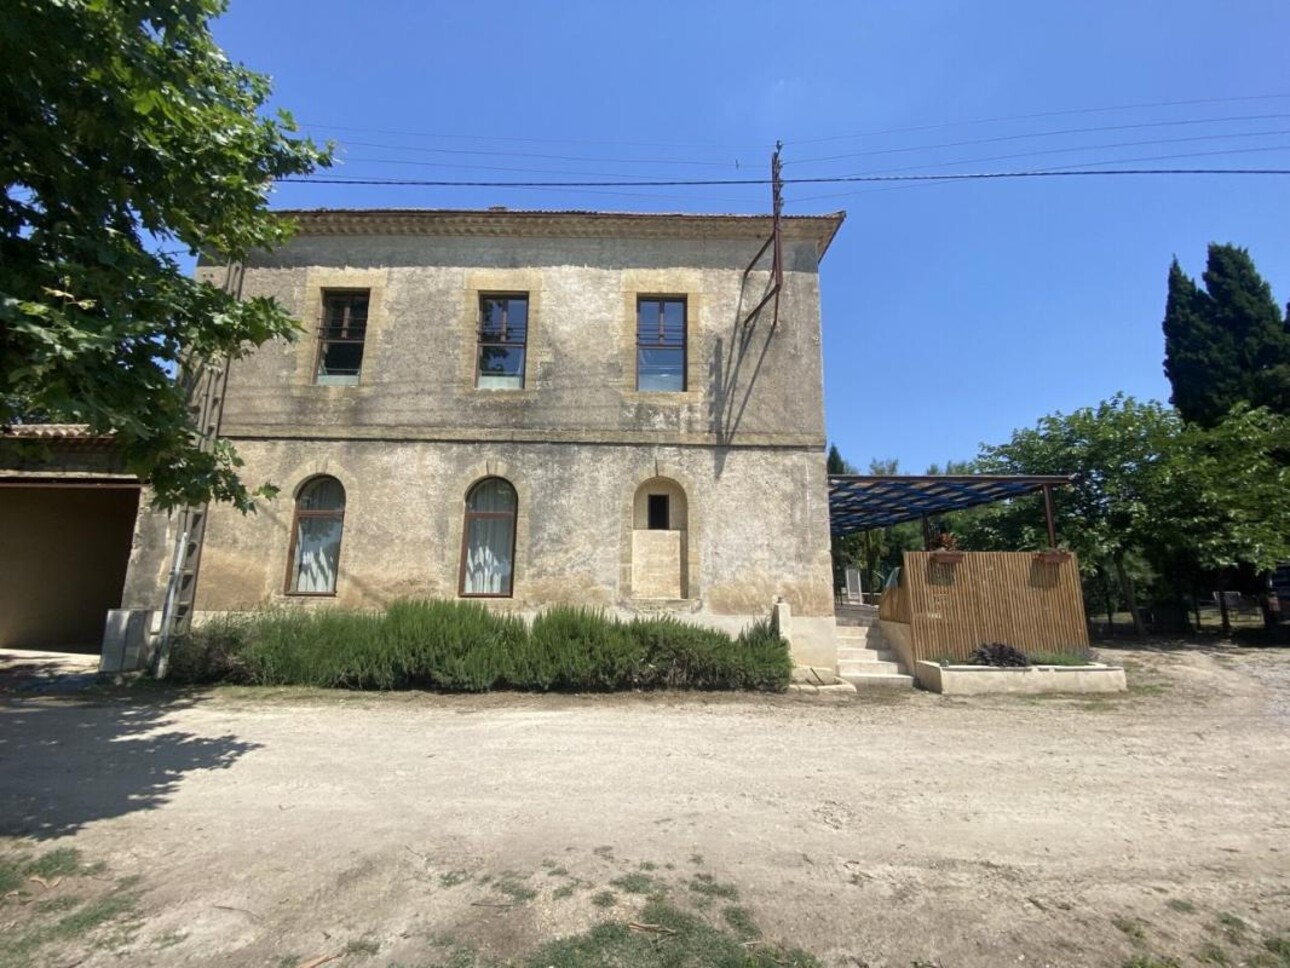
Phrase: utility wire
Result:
[1044,114]
[474,167]
[526,154]
[350,159]
[1190,154]
[1098,147]
[548,141]
[1041,134]
[958,176]
[1073,170]
[804,141]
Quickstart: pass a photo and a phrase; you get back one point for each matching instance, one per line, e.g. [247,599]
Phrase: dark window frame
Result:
[470,516]
[481,342]
[343,334]
[658,342]
[337,514]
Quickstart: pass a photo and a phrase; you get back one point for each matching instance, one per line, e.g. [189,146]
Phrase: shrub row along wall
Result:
[463,647]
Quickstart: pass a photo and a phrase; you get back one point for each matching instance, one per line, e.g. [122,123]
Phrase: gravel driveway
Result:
[281,827]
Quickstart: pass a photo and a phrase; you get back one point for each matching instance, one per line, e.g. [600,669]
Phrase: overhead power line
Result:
[957,176]
[527,154]
[912,181]
[473,167]
[545,141]
[1038,134]
[1078,148]
[1035,116]
[1141,106]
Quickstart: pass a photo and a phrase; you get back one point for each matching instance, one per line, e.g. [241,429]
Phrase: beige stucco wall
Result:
[744,442]
[756,532]
[744,386]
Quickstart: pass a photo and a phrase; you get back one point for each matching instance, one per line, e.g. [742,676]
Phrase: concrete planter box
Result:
[970,680]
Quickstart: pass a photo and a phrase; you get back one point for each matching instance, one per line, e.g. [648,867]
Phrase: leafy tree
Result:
[1226,499]
[130,139]
[846,549]
[1227,343]
[836,463]
[884,548]
[876,551]
[1117,451]
[888,467]
[952,467]
[1151,494]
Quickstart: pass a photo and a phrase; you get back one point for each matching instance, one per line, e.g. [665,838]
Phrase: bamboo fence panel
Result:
[894,604]
[988,596]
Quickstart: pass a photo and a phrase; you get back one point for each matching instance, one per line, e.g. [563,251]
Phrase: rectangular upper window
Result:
[503,336]
[341,333]
[660,343]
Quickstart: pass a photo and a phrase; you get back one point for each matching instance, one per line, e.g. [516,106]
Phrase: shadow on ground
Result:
[66,762]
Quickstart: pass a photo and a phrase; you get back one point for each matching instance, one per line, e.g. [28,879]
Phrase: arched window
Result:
[488,540]
[315,537]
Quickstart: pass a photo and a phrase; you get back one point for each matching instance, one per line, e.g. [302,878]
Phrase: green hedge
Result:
[463,647]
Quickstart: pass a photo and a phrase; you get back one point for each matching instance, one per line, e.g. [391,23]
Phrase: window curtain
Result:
[488,556]
[490,532]
[322,494]
[317,554]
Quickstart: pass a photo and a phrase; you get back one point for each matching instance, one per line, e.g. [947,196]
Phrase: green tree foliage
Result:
[846,550]
[1148,490]
[883,549]
[1228,491]
[952,467]
[129,139]
[877,551]
[835,463]
[1116,452]
[1227,343]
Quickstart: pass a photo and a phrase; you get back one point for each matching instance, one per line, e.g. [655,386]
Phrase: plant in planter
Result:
[945,549]
[999,655]
[1052,556]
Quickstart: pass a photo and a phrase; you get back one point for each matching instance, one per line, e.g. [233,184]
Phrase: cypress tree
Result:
[836,463]
[1225,344]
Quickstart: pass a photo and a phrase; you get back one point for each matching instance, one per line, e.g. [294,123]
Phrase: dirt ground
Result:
[281,827]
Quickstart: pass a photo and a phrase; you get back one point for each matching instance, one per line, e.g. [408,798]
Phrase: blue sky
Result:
[953,313]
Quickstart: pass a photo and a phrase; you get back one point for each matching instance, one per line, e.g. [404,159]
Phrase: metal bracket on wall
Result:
[774,244]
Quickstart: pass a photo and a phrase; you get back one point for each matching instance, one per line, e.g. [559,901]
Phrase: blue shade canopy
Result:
[860,502]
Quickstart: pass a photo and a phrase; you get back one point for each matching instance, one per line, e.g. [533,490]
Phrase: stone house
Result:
[528,408]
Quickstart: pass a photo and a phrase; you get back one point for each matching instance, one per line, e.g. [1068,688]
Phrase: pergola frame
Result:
[860,502]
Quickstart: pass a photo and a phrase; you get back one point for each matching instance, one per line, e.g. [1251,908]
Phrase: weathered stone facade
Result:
[739,450]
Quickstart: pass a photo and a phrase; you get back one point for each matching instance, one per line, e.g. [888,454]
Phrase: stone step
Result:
[853,666]
[853,616]
[866,655]
[857,632]
[881,680]
[852,622]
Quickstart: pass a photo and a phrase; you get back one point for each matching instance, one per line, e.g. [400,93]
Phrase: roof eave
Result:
[820,229]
